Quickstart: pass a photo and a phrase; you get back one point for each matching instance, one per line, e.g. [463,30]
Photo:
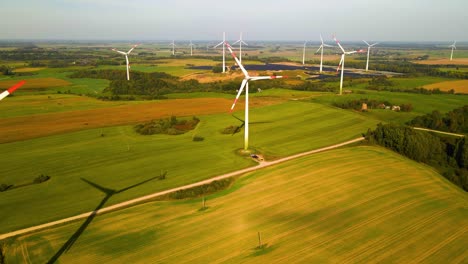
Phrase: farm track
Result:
[154,195]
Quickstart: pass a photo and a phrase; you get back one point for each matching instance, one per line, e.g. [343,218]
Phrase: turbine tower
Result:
[240,46]
[341,64]
[191,48]
[224,51]
[245,84]
[126,58]
[368,52]
[173,48]
[321,55]
[453,47]
[303,53]
[11,89]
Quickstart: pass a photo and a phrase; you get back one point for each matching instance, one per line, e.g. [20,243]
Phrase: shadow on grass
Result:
[109,193]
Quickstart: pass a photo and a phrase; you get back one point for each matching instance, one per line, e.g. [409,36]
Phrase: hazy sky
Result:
[405,20]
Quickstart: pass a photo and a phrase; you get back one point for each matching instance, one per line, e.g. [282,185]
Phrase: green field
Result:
[122,158]
[338,206]
[422,104]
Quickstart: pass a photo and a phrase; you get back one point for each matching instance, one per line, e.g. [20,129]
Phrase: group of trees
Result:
[447,154]
[155,85]
[170,126]
[455,121]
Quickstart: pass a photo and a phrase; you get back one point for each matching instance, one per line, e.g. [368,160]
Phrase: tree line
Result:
[448,155]
[455,121]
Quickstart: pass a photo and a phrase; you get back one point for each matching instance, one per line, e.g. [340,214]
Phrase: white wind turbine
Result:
[224,51]
[321,48]
[303,53]
[368,52]
[453,47]
[245,84]
[11,89]
[173,47]
[191,48]
[341,64]
[126,58]
[240,46]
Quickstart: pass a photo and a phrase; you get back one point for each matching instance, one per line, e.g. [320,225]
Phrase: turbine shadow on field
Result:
[109,193]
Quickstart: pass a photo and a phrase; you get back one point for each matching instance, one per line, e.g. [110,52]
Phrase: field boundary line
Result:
[161,193]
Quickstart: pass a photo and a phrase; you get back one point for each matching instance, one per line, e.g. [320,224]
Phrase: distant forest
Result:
[449,155]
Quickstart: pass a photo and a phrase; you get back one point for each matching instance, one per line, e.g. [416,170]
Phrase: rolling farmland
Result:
[338,206]
[121,157]
[460,86]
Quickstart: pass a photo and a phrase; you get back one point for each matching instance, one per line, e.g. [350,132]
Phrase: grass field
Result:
[341,206]
[460,86]
[422,104]
[121,157]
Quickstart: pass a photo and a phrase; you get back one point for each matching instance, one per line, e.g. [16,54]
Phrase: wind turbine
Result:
[321,48]
[191,48]
[341,64]
[224,51]
[173,48]
[240,46]
[453,47]
[245,83]
[126,58]
[368,52]
[11,89]
[303,53]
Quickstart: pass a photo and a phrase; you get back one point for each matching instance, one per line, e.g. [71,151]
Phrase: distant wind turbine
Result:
[11,89]
[321,48]
[224,51]
[191,48]
[245,83]
[173,47]
[240,41]
[368,52]
[126,58]
[453,47]
[341,64]
[303,53]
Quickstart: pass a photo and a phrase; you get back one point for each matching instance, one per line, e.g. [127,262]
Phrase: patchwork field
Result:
[36,83]
[460,86]
[116,157]
[340,206]
[455,61]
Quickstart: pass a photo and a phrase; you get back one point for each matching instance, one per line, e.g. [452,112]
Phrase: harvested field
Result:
[455,61]
[33,126]
[460,86]
[38,83]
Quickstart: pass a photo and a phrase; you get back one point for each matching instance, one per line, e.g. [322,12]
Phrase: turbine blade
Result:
[221,43]
[326,45]
[243,42]
[267,77]
[321,39]
[236,42]
[134,46]
[374,44]
[321,47]
[121,52]
[244,82]
[341,62]
[366,43]
[237,60]
[339,45]
[11,89]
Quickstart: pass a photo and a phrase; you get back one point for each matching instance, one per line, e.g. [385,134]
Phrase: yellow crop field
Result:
[455,61]
[460,86]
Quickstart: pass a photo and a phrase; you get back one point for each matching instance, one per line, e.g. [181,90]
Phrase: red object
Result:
[16,86]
